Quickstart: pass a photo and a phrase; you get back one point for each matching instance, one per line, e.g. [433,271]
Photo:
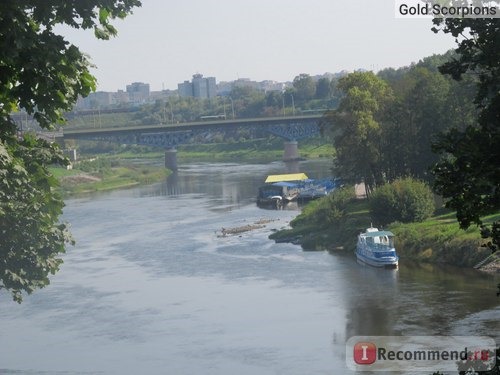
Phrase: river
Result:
[150,288]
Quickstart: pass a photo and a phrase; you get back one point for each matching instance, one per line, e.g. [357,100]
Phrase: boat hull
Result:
[382,263]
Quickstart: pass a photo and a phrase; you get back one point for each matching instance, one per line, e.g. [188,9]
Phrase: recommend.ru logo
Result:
[420,353]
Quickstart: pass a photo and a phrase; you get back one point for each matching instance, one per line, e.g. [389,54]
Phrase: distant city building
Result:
[199,87]
[185,89]
[246,82]
[98,99]
[225,88]
[211,87]
[138,92]
[163,94]
[121,97]
[273,86]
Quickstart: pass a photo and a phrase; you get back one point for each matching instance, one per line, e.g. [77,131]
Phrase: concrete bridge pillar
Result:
[291,151]
[171,159]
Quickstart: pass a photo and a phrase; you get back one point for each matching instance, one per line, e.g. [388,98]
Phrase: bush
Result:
[327,210]
[406,200]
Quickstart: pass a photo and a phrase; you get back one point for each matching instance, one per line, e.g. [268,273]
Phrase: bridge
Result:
[291,129]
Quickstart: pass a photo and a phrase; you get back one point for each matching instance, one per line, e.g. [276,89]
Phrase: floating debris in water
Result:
[259,224]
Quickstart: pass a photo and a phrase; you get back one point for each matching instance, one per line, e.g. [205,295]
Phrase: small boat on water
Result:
[376,248]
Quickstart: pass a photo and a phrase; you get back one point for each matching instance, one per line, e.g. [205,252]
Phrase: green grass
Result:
[253,150]
[60,172]
[315,234]
[149,154]
[437,240]
[440,240]
[74,182]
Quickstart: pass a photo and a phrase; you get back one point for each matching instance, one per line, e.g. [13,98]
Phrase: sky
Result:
[165,42]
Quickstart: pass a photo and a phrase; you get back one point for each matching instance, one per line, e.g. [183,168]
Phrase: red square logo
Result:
[365,353]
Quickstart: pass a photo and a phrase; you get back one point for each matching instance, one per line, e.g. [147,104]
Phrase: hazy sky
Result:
[165,42]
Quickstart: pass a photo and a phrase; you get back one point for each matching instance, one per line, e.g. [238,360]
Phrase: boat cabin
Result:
[281,187]
[378,240]
[286,190]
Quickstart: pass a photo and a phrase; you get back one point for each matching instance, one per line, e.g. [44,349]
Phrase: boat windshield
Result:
[381,241]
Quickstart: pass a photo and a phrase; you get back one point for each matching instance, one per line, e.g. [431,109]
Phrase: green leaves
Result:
[405,200]
[385,124]
[41,72]
[44,74]
[468,175]
[304,86]
[30,242]
[356,127]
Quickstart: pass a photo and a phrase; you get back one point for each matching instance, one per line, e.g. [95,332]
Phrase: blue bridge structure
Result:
[170,136]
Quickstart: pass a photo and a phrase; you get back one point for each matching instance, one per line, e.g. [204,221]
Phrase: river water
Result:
[150,288]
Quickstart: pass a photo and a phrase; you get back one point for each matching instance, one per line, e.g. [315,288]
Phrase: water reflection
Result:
[172,184]
[232,184]
[372,305]
[293,166]
[418,300]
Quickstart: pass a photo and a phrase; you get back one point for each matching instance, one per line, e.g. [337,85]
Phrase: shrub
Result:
[406,200]
[327,210]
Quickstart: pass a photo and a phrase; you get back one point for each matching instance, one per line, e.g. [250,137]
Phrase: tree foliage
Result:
[385,124]
[304,86]
[327,210]
[43,74]
[323,88]
[468,175]
[356,128]
[405,200]
[30,236]
[419,113]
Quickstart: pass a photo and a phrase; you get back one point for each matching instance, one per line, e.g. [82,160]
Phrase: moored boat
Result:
[284,188]
[376,248]
[280,189]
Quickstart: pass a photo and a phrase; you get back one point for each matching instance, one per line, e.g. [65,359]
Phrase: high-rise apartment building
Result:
[185,89]
[199,87]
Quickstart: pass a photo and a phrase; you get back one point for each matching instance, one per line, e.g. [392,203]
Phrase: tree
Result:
[356,128]
[426,103]
[323,88]
[468,175]
[420,112]
[304,87]
[43,74]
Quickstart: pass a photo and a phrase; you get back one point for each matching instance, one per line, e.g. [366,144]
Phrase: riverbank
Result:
[436,240]
[124,167]
[103,174]
[251,150]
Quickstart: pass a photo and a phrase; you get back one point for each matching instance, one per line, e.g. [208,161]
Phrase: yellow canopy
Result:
[286,177]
